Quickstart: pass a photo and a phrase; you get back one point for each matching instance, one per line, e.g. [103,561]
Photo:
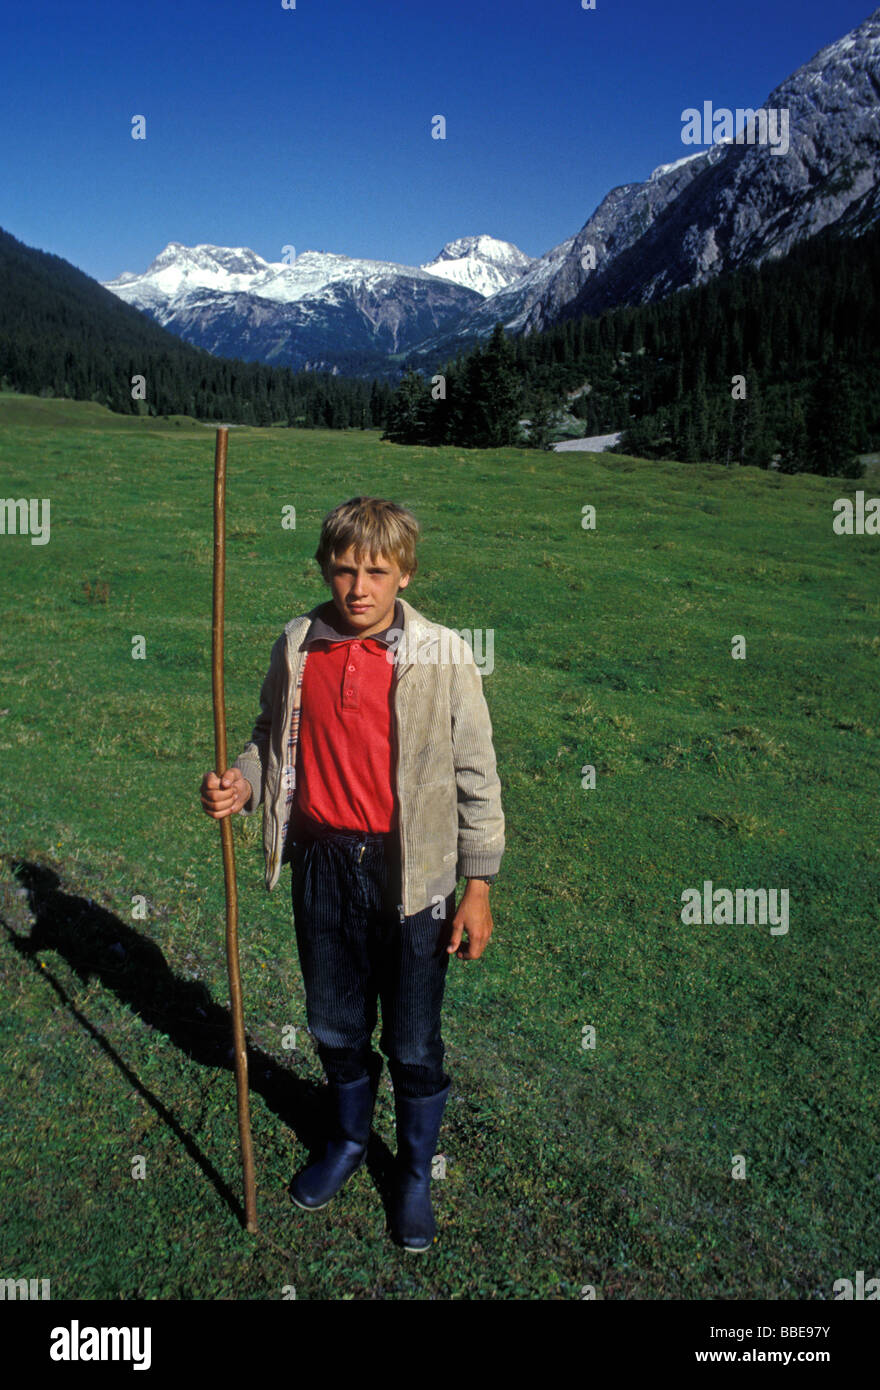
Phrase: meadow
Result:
[718,1049]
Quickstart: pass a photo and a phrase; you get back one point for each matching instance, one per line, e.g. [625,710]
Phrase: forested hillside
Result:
[779,362]
[63,334]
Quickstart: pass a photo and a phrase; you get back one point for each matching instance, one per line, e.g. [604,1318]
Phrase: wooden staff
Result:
[241,1071]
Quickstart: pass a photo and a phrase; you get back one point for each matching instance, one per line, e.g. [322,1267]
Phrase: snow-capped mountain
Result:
[554,279]
[320,309]
[703,212]
[743,204]
[715,209]
[481,263]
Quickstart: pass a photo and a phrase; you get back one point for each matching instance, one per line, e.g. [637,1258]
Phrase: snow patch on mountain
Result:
[482,263]
[676,164]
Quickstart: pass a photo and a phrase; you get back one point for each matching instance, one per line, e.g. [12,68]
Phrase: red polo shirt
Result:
[345,757]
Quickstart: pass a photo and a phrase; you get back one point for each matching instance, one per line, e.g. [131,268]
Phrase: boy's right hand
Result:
[221,796]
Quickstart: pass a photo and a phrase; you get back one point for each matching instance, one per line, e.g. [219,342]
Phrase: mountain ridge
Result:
[694,217]
[233,302]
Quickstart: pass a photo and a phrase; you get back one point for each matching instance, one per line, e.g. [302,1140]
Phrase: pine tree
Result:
[830,422]
[500,403]
[794,440]
[541,431]
[407,422]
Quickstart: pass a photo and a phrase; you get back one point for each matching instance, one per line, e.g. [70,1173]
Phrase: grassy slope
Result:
[566,1166]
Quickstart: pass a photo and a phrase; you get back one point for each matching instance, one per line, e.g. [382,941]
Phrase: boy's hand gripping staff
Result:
[241,1073]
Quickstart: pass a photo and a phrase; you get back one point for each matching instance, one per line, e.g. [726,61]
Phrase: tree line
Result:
[772,364]
[63,334]
[775,364]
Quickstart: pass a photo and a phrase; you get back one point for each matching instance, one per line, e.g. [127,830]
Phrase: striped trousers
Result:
[356,954]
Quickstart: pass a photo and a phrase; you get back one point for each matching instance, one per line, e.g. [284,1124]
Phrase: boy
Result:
[373,757]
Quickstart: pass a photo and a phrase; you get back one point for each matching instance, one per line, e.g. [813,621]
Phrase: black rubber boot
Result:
[346,1148]
[418,1127]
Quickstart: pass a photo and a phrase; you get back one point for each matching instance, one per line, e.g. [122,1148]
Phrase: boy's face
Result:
[364,594]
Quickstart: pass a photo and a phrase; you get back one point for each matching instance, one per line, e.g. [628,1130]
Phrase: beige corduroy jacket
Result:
[449,796]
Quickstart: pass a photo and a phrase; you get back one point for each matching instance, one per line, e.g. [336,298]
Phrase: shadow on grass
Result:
[96,944]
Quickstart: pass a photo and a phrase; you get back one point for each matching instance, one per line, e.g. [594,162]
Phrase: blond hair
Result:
[373,527]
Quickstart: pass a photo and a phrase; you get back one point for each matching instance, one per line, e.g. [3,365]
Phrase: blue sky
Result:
[310,127]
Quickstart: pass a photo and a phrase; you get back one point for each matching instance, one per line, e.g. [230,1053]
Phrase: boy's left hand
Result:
[474,920]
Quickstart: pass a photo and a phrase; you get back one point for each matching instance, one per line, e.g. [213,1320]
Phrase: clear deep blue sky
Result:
[311,127]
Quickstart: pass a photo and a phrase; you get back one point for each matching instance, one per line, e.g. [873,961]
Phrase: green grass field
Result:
[566,1166]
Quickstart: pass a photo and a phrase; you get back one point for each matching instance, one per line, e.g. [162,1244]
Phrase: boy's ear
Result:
[403,581]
